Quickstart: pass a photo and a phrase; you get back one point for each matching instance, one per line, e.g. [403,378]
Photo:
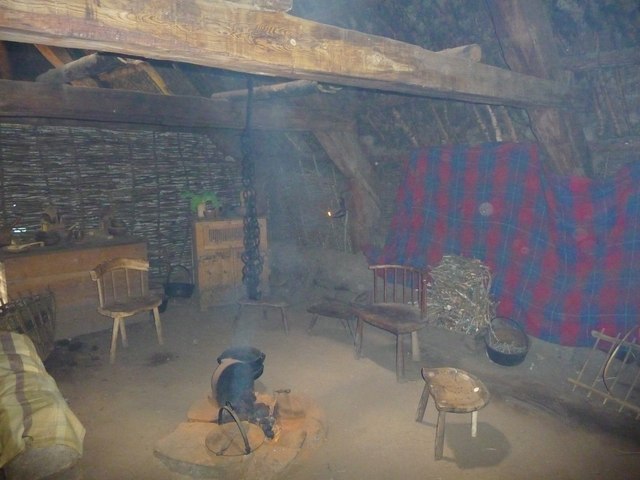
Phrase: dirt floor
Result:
[534,426]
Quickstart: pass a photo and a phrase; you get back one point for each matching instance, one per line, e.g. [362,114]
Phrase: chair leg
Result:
[312,323]
[156,318]
[474,423]
[399,357]
[347,322]
[114,340]
[422,404]
[415,347]
[439,448]
[358,340]
[284,320]
[123,333]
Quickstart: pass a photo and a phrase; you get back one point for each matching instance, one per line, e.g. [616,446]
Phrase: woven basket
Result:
[34,316]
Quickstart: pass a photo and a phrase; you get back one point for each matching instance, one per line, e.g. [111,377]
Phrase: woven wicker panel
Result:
[142,174]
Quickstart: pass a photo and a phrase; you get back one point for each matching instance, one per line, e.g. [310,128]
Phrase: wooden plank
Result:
[55,101]
[222,35]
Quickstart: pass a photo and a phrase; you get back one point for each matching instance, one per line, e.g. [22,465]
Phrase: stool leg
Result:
[312,324]
[358,340]
[156,318]
[399,357]
[284,321]
[439,448]
[350,329]
[474,423]
[114,340]
[422,405]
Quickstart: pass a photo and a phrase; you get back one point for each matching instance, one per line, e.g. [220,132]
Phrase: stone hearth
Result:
[184,450]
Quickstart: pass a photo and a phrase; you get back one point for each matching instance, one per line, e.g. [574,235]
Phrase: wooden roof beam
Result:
[60,101]
[235,37]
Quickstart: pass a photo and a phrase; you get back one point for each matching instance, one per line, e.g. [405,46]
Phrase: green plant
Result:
[196,199]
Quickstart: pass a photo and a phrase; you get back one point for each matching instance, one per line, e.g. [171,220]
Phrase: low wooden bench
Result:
[265,303]
[335,308]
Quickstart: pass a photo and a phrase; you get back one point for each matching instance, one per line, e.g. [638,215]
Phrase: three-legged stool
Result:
[455,391]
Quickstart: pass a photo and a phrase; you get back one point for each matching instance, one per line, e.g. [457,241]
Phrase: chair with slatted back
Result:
[398,307]
[123,291]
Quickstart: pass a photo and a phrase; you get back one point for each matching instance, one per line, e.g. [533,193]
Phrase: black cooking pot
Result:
[506,341]
[174,289]
[249,355]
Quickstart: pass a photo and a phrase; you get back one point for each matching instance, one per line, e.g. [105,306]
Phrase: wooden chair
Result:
[399,307]
[454,391]
[123,291]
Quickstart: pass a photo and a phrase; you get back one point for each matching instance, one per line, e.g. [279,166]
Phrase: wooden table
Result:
[65,270]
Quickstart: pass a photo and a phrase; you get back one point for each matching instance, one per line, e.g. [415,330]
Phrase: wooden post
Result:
[344,150]
[524,32]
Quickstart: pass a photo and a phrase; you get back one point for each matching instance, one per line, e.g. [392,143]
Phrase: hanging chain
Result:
[251,257]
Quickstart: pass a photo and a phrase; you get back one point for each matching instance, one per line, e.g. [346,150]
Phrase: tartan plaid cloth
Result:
[33,412]
[564,252]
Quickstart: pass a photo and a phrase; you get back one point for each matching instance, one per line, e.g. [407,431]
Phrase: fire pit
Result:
[237,432]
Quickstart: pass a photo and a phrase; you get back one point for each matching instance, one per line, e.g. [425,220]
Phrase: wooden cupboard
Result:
[217,252]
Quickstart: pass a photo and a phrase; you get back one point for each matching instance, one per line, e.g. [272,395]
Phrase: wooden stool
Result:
[265,303]
[453,390]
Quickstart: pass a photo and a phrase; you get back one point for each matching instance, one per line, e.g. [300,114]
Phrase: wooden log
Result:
[296,87]
[525,34]
[88,66]
[222,35]
[472,52]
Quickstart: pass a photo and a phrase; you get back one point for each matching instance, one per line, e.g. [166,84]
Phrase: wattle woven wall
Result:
[564,252]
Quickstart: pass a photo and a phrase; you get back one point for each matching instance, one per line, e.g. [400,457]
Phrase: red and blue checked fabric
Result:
[564,252]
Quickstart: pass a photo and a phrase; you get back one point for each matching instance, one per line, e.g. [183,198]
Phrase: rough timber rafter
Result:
[224,35]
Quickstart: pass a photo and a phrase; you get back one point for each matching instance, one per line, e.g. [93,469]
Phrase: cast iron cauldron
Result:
[249,355]
[506,341]
[176,289]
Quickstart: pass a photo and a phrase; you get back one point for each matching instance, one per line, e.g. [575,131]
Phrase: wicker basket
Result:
[34,316]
